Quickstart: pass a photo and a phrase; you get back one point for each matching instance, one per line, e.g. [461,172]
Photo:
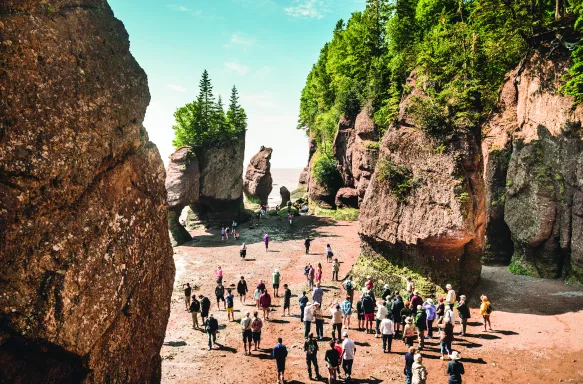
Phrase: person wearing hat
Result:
[319,318]
[368,306]
[246,333]
[485,311]
[336,318]
[211,327]
[266,241]
[276,275]
[194,310]
[430,312]
[450,298]
[311,350]
[455,369]
[382,313]
[348,354]
[409,332]
[308,318]
[421,325]
[265,304]
[386,296]
[419,372]
[445,338]
[464,313]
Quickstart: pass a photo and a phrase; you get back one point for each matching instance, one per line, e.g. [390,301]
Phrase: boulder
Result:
[258,176]
[424,209]
[182,178]
[285,196]
[533,155]
[86,267]
[347,198]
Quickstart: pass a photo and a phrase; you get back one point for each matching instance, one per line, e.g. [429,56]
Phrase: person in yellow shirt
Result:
[486,311]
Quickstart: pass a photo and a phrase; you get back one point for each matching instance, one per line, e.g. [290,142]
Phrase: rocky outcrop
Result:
[285,196]
[86,268]
[424,208]
[306,172]
[534,168]
[321,195]
[347,198]
[258,176]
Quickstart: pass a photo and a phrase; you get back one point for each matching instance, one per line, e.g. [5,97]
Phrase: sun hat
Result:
[275,270]
[408,320]
[484,298]
[316,303]
[430,301]
[418,358]
[455,355]
[419,307]
[415,292]
[386,286]
[448,286]
[211,315]
[462,296]
[369,277]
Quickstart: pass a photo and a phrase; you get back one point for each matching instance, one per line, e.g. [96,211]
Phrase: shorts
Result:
[204,314]
[280,365]
[275,286]
[285,304]
[247,335]
[230,310]
[330,366]
[369,316]
[361,316]
[220,298]
[256,336]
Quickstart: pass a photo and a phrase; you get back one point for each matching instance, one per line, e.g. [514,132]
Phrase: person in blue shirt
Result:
[455,369]
[229,304]
[409,359]
[303,301]
[280,354]
[347,312]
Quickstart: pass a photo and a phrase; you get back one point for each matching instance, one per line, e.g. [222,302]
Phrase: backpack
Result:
[349,287]
[489,309]
[312,348]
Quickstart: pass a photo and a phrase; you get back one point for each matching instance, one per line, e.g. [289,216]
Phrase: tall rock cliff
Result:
[258,181]
[86,269]
[424,208]
[533,155]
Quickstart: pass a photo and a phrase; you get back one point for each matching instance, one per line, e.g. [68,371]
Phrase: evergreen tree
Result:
[236,116]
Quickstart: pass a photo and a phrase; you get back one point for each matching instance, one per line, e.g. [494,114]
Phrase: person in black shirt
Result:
[332,357]
[242,290]
[205,306]
[386,296]
[395,309]
[307,244]
[455,369]
[280,354]
[311,349]
[220,295]
[368,306]
[212,327]
[303,301]
[464,313]
[286,299]
[187,293]
[194,310]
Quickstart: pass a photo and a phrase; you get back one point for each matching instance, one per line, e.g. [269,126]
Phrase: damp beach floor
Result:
[538,324]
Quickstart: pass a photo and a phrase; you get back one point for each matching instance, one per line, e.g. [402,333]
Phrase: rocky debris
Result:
[534,167]
[424,209]
[86,268]
[258,176]
[285,196]
[347,198]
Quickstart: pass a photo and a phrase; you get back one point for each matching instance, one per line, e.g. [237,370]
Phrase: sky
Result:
[264,47]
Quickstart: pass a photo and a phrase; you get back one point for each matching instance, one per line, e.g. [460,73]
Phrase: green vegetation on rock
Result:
[519,267]
[574,84]
[325,171]
[399,178]
[340,214]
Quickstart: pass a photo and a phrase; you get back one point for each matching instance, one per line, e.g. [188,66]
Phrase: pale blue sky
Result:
[265,47]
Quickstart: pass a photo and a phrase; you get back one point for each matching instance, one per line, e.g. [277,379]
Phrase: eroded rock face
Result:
[305,174]
[258,175]
[542,194]
[436,226]
[86,269]
[347,198]
[285,196]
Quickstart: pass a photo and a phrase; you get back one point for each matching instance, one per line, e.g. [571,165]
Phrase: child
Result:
[229,299]
[291,218]
[256,296]
[286,300]
[360,314]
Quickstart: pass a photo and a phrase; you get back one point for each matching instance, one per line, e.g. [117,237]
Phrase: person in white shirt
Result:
[450,298]
[382,312]
[336,313]
[387,330]
[410,288]
[348,352]
[308,318]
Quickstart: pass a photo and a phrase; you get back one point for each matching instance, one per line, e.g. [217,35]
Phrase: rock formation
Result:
[258,176]
[86,268]
[306,172]
[347,197]
[424,209]
[533,155]
[285,196]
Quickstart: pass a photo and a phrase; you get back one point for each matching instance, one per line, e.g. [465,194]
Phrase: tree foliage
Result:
[460,49]
[203,123]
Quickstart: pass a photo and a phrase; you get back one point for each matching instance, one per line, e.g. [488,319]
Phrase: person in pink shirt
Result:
[369,286]
[219,274]
[266,241]
[319,273]
[265,303]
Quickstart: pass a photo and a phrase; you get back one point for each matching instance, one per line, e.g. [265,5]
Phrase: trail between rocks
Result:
[538,336]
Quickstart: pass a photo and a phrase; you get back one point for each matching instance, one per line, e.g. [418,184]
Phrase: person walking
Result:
[220,295]
[382,312]
[276,275]
[311,275]
[257,296]
[242,290]
[194,310]
[430,314]
[332,357]
[346,312]
[486,311]
[227,230]
[243,251]
[230,305]
[187,292]
[349,286]
[219,274]
[360,314]
[409,360]
[445,338]
[319,317]
[405,313]
[421,325]
[318,293]
[205,306]
[261,286]
[416,301]
[386,296]
[387,331]
[396,308]
[329,253]
[419,372]
[246,333]
[348,354]
[440,311]
[223,233]
[286,299]
[265,303]
[308,319]
[409,332]
[303,302]
[266,241]
[410,288]
[450,298]
[280,354]
[307,243]
[211,327]
[335,269]
[455,369]
[318,274]
[369,285]
[311,349]
[368,307]
[463,312]
[336,318]
[256,326]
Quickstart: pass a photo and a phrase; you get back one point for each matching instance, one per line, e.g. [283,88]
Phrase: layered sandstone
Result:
[86,269]
[258,181]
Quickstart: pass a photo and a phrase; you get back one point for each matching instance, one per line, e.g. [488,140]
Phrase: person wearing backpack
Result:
[349,286]
[486,311]
[311,349]
[194,310]
[464,313]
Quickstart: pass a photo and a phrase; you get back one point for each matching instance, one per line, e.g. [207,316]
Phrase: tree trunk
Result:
[558,9]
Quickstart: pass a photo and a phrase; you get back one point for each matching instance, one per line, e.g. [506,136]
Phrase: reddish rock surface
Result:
[347,198]
[258,181]
[285,196]
[86,268]
[436,227]
[533,155]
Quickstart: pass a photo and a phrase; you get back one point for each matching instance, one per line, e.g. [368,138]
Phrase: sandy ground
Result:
[538,324]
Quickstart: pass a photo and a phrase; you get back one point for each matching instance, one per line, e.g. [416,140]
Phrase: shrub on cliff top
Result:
[325,172]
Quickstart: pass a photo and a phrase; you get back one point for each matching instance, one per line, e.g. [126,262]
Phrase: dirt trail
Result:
[538,335]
